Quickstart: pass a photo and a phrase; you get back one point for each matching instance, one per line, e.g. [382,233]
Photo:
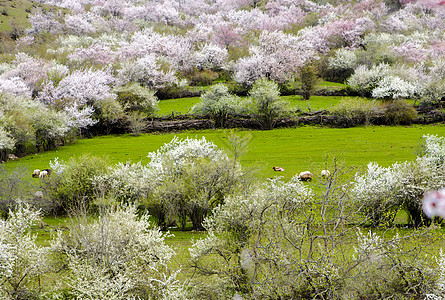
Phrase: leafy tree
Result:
[218,103]
[266,105]
[308,79]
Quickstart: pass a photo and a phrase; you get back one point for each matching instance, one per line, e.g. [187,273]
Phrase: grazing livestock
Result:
[325,173]
[48,171]
[278,169]
[305,176]
[43,174]
[38,194]
[36,173]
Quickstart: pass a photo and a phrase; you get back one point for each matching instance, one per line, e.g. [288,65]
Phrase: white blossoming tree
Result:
[382,192]
[118,256]
[21,260]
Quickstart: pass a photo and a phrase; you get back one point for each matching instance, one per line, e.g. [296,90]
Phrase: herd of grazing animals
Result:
[41,174]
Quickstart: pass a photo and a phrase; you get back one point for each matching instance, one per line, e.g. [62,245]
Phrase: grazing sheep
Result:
[325,173]
[38,194]
[12,157]
[36,173]
[48,171]
[305,176]
[43,174]
[278,169]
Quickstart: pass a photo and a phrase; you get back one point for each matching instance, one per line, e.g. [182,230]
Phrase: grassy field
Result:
[295,149]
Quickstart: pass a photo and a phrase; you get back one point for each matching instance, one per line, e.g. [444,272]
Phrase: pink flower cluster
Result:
[434,203]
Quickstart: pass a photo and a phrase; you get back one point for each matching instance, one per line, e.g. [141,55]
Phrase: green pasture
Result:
[294,149]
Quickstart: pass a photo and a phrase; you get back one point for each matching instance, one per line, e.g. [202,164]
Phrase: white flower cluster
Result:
[381,190]
[21,260]
[7,142]
[113,256]
[178,154]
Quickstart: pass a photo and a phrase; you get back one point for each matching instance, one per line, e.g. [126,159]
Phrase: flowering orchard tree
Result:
[211,56]
[31,70]
[117,256]
[21,260]
[86,86]
[44,21]
[384,191]
[146,71]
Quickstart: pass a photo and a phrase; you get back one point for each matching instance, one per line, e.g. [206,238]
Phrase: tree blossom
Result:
[15,86]
[211,56]
[79,118]
[146,71]
[31,70]
[97,54]
[80,23]
[86,86]
[44,21]
[394,87]
[112,257]
[21,260]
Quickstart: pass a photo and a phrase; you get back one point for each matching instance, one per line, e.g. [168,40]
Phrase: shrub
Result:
[399,112]
[134,97]
[136,122]
[14,184]
[265,104]
[71,183]
[118,256]
[356,111]
[202,77]
[218,103]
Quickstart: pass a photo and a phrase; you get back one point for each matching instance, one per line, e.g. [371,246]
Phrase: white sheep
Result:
[43,174]
[305,176]
[36,173]
[325,173]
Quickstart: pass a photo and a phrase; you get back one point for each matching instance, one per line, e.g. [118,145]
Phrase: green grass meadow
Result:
[295,149]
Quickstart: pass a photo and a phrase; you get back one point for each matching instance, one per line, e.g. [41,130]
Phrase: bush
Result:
[118,256]
[356,111]
[134,97]
[399,112]
[71,183]
[202,78]
[218,103]
[265,103]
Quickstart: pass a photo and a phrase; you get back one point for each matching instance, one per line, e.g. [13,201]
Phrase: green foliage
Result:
[218,103]
[71,187]
[308,79]
[355,111]
[134,97]
[399,112]
[266,105]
